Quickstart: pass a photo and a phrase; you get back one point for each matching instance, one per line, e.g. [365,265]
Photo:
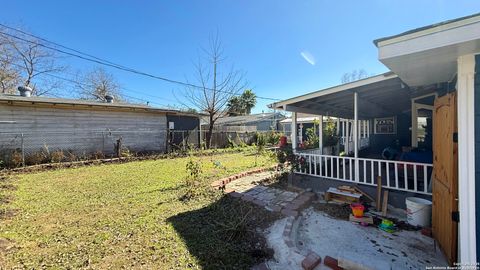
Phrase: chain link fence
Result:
[20,149]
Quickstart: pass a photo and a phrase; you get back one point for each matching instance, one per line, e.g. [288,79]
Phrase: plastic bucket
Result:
[357,209]
[419,211]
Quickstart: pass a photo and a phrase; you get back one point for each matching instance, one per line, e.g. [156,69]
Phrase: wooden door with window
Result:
[445,177]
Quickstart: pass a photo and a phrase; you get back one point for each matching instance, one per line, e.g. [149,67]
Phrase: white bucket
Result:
[419,211]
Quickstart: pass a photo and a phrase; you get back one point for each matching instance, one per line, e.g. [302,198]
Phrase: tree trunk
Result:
[208,138]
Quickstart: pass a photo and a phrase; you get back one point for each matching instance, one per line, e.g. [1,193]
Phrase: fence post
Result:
[183,140]
[103,142]
[23,152]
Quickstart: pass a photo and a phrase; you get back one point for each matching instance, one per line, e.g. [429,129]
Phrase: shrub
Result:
[98,155]
[57,156]
[273,137]
[16,159]
[261,142]
[192,182]
[36,158]
[286,156]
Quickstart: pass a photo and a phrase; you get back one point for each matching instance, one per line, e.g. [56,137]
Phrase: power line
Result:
[91,85]
[91,58]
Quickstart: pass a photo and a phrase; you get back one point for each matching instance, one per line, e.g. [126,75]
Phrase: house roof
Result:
[429,54]
[334,89]
[34,100]
[463,20]
[248,119]
[381,95]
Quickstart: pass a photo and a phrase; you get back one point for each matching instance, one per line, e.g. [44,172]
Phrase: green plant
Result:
[231,143]
[192,182]
[261,142]
[286,156]
[273,137]
[330,137]
[125,152]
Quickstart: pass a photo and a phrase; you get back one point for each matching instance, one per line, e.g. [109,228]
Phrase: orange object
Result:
[283,141]
[357,209]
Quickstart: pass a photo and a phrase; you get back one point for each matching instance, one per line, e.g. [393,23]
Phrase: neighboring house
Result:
[251,122]
[424,117]
[33,124]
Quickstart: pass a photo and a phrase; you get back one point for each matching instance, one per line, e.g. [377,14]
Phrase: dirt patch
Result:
[338,211]
[7,214]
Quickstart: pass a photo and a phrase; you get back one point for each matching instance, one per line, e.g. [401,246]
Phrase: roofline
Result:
[113,106]
[429,29]
[335,89]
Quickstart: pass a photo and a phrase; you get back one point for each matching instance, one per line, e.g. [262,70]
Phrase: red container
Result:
[357,209]
[283,141]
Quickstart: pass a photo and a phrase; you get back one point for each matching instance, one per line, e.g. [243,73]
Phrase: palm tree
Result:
[248,100]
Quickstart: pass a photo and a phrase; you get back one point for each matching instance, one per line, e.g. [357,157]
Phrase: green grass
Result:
[127,216]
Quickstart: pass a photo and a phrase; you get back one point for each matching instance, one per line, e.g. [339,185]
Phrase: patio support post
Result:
[466,158]
[320,134]
[347,137]
[294,131]
[355,134]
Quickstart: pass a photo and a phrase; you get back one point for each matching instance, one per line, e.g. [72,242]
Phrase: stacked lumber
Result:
[342,194]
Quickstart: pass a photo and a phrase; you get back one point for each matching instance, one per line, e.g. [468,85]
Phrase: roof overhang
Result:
[381,95]
[428,55]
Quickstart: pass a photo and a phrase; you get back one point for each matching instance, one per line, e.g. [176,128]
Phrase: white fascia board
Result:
[332,90]
[432,30]
[432,38]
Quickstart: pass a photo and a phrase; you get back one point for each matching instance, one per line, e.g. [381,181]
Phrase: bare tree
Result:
[216,87]
[98,83]
[9,75]
[31,60]
[355,75]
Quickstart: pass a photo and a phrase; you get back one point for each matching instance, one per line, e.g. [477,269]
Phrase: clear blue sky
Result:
[263,38]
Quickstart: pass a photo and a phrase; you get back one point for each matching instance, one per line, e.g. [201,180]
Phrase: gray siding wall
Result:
[80,130]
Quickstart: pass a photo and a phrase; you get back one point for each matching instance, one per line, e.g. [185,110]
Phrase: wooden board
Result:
[364,219]
[379,193]
[334,194]
[385,203]
[445,179]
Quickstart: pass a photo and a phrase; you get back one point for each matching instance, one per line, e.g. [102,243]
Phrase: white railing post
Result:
[294,131]
[320,134]
[355,133]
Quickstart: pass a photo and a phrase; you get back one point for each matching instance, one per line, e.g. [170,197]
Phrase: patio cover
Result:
[378,96]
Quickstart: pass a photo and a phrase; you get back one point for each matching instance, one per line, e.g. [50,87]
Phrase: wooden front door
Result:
[445,177]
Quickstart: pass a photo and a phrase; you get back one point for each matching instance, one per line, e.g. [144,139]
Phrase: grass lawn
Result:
[129,216]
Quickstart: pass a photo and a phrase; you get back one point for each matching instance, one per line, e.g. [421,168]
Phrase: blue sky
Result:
[263,38]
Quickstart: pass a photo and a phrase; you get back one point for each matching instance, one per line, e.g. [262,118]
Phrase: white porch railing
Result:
[345,129]
[398,175]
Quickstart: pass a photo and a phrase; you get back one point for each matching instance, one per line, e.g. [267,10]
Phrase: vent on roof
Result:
[109,99]
[25,91]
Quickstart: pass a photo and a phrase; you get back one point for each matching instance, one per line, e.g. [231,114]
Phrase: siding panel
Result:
[80,130]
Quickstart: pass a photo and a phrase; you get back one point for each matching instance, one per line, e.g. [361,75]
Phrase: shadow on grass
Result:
[225,234]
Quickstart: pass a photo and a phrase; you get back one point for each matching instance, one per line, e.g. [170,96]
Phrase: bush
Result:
[273,137]
[286,156]
[192,182]
[57,156]
[36,158]
[261,142]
